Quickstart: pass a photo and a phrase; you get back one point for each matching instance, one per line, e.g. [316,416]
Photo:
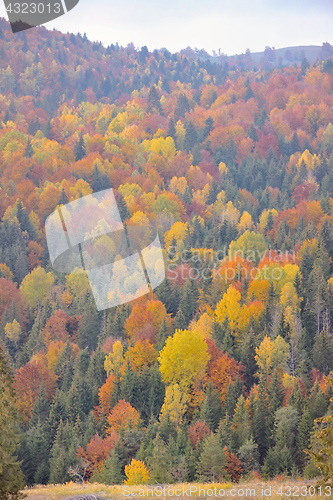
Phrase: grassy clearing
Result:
[62,491]
[275,490]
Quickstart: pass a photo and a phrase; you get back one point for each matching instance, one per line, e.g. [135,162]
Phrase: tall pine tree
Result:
[11,477]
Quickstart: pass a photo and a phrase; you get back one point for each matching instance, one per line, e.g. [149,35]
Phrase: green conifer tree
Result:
[276,392]
[212,462]
[11,476]
[110,472]
[303,437]
[79,149]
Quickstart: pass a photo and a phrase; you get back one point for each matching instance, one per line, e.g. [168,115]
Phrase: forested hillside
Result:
[221,371]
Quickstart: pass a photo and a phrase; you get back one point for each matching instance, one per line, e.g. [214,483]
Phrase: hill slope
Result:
[221,370]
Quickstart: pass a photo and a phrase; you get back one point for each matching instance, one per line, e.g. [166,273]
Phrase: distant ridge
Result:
[270,57]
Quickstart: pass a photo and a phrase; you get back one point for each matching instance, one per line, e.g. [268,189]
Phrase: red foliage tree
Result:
[234,467]
[222,371]
[28,381]
[97,452]
[10,297]
[121,417]
[197,432]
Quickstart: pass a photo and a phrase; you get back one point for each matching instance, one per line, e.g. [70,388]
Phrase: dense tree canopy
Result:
[231,356]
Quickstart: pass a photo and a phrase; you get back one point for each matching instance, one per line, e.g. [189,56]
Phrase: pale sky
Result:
[231,25]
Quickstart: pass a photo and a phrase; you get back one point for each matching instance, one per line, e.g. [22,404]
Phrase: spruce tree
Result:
[63,453]
[166,294]
[180,320]
[25,224]
[188,302]
[41,409]
[296,398]
[110,472]
[247,357]
[96,375]
[154,100]
[73,406]
[160,462]
[276,392]
[303,437]
[156,391]
[191,137]
[11,477]
[182,107]
[270,467]
[65,368]
[28,150]
[171,129]
[249,456]
[128,383]
[99,181]
[39,454]
[89,327]
[241,423]
[57,410]
[210,411]
[162,335]
[212,462]
[316,402]
[209,125]
[213,192]
[252,133]
[235,389]
[63,200]
[225,433]
[262,422]
[27,465]
[123,209]
[79,149]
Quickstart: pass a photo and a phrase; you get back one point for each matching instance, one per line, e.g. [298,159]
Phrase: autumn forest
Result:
[225,370]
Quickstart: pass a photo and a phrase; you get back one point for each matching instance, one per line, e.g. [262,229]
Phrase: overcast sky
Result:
[231,25]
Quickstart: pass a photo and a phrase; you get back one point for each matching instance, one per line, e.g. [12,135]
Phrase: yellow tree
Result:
[77,284]
[13,331]
[271,354]
[263,219]
[183,358]
[114,361]
[289,297]
[263,356]
[311,161]
[245,223]
[204,325]
[280,354]
[174,406]
[136,473]
[230,214]
[141,355]
[178,232]
[229,308]
[5,272]
[35,286]
[178,185]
